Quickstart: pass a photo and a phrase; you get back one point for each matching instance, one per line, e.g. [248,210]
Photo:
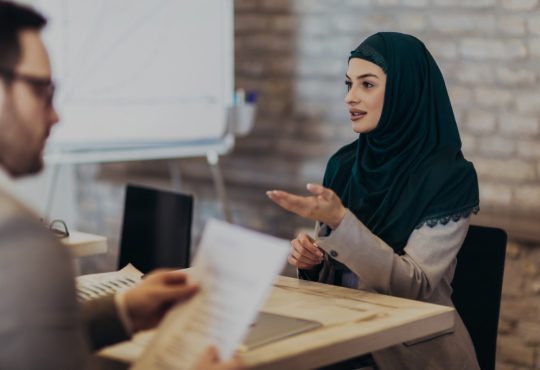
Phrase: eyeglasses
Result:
[43,87]
[59,228]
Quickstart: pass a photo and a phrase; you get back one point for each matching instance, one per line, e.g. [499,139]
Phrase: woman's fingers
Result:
[303,266]
[300,205]
[304,253]
[303,256]
[307,242]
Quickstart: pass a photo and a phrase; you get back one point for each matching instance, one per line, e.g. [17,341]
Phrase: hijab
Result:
[409,171]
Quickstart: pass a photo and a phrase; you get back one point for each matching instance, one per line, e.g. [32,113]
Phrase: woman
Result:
[394,207]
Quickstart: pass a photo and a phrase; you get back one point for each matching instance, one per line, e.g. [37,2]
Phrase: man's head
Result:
[26,90]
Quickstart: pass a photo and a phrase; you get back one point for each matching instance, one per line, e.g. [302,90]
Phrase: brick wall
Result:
[294,52]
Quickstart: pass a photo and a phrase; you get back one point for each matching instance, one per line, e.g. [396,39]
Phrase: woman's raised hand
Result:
[324,205]
[304,253]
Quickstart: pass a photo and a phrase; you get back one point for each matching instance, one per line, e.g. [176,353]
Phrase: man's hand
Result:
[148,302]
[324,205]
[210,361]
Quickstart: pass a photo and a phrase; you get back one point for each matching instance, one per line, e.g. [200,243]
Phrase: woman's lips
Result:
[356,115]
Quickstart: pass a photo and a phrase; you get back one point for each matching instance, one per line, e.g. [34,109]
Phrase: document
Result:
[235,269]
[96,285]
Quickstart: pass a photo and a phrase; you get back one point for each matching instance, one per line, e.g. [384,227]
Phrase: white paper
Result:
[235,269]
[96,285]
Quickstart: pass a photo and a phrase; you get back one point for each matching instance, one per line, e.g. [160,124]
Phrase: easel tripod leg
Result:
[213,161]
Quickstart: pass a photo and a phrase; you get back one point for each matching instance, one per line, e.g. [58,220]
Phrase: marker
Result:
[239,97]
[251,97]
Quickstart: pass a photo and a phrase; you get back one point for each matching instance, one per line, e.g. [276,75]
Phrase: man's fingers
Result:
[168,276]
[175,293]
[174,277]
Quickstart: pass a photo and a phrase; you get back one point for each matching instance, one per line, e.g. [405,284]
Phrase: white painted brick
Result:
[319,67]
[442,49]
[493,97]
[460,96]
[519,4]
[534,25]
[356,3]
[313,171]
[492,49]
[495,194]
[415,3]
[480,122]
[515,76]
[412,22]
[475,73]
[324,90]
[468,144]
[386,2]
[497,146]
[527,197]
[465,3]
[511,25]
[534,47]
[338,46]
[512,170]
[314,25]
[364,25]
[311,6]
[460,23]
[528,101]
[529,149]
[515,125]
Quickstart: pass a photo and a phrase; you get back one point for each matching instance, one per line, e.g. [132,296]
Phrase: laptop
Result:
[156,228]
[270,327]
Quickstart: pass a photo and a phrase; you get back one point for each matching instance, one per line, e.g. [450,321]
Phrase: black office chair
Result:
[477,288]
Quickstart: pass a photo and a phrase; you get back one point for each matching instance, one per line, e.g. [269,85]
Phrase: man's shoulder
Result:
[11,208]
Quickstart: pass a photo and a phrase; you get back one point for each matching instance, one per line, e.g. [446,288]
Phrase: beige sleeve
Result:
[429,254]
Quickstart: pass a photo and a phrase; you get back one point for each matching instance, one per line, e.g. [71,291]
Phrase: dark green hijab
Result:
[409,171]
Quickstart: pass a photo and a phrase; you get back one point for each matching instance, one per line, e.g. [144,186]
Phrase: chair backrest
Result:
[156,230]
[477,288]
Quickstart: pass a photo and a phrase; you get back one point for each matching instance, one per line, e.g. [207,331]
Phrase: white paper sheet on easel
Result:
[235,269]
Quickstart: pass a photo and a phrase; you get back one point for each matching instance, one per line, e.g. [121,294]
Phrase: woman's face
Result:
[366,83]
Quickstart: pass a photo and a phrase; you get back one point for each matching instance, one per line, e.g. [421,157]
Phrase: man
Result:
[41,324]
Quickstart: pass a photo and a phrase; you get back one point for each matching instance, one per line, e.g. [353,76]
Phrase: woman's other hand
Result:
[324,205]
[305,255]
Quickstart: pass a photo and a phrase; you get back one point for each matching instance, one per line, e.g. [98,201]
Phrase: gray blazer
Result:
[424,272]
[41,323]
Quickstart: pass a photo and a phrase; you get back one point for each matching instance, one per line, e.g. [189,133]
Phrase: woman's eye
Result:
[367,85]
[348,84]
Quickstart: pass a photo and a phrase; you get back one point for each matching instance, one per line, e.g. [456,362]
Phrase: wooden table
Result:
[354,323]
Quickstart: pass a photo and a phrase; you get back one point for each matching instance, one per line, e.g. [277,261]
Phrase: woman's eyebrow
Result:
[363,76]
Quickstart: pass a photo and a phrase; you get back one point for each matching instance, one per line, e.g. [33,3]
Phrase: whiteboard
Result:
[139,72]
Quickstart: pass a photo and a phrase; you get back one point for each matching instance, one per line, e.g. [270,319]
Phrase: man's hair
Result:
[15,18]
